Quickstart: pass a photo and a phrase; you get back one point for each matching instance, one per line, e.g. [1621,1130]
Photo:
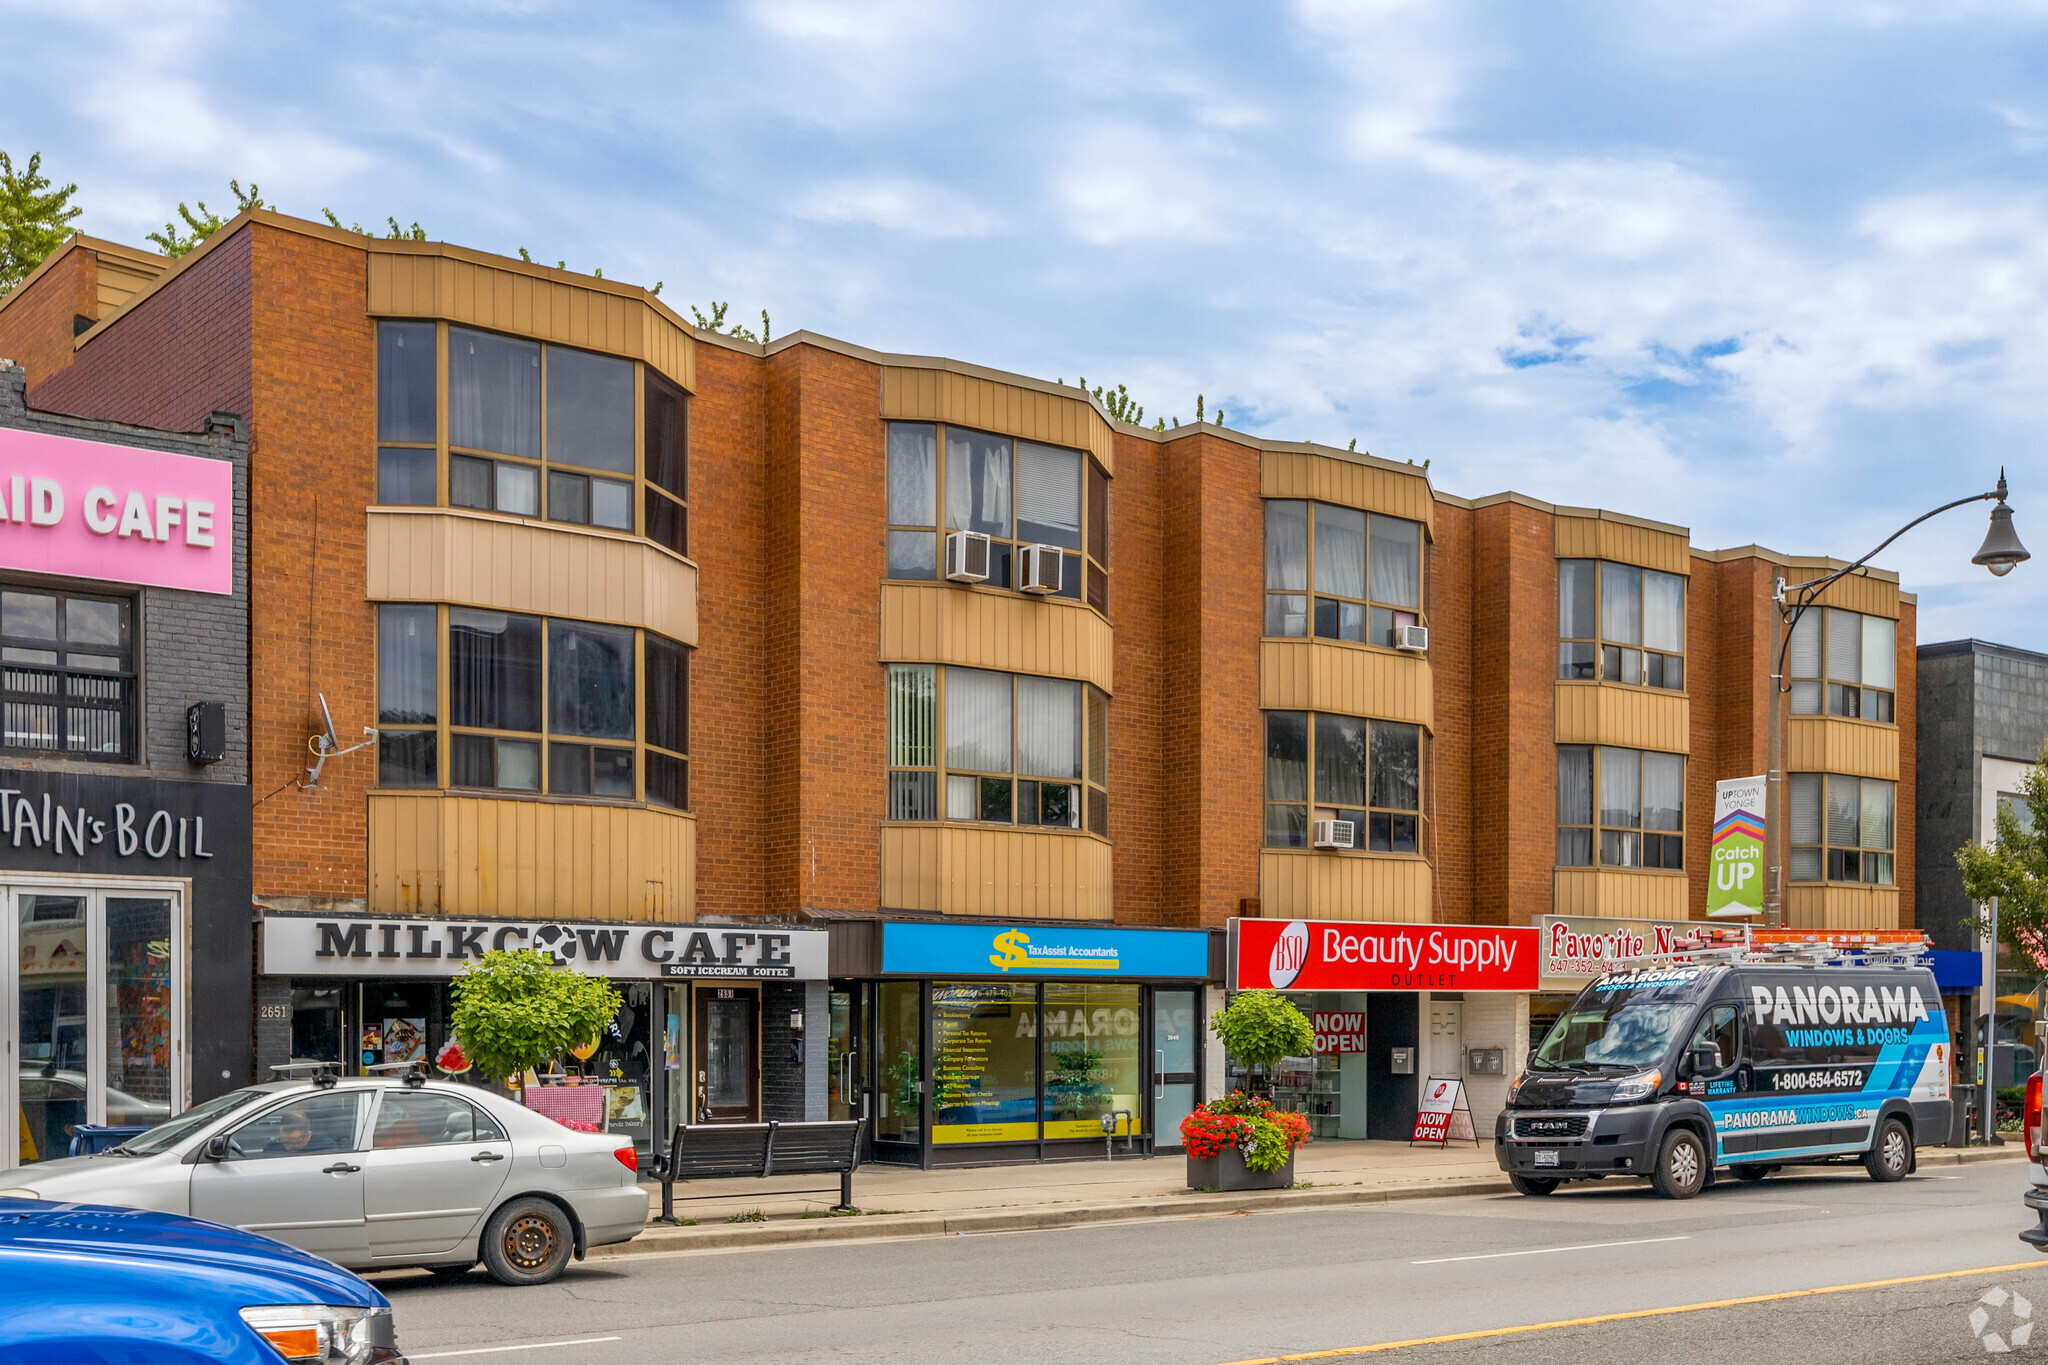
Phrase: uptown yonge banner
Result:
[1331,955]
[1735,860]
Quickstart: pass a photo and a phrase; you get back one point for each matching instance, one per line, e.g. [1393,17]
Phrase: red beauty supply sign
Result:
[1331,955]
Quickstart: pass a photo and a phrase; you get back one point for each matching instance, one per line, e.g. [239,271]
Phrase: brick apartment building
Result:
[669,632]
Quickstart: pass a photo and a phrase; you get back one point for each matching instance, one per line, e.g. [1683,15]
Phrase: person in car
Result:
[294,1134]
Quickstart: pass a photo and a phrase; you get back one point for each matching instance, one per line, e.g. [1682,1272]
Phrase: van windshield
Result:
[1621,1023]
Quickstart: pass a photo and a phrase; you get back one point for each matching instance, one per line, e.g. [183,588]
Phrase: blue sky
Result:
[1772,271]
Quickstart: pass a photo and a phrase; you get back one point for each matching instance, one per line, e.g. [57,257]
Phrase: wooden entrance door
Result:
[728,1054]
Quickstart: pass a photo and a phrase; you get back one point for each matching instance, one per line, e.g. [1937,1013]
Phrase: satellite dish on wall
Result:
[327,744]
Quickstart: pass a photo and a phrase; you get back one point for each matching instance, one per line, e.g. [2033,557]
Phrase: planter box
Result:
[1226,1171]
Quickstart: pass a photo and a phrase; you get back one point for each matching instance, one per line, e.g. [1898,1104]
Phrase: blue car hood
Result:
[103,1231]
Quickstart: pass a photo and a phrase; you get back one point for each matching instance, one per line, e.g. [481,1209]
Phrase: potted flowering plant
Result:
[1241,1142]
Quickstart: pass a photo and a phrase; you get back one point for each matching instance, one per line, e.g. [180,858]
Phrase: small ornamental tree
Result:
[1260,1027]
[2014,868]
[516,1011]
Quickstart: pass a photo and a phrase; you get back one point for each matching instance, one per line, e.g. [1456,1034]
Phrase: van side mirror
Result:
[216,1149]
[1705,1057]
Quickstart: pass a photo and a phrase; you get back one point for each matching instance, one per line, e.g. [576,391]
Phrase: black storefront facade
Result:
[124,796]
[992,1042]
[718,1023]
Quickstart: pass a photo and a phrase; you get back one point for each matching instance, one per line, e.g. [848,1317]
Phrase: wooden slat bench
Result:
[721,1151]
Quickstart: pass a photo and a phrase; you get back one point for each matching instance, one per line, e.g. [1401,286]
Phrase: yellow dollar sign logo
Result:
[1009,952]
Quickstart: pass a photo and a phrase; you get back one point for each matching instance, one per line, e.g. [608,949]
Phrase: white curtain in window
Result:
[1664,791]
[1048,727]
[1621,788]
[1802,656]
[1877,811]
[977,483]
[1880,658]
[1286,756]
[977,720]
[1664,611]
[912,693]
[1576,619]
[1805,803]
[1340,551]
[1574,784]
[1287,546]
[1340,760]
[1621,604]
[1845,811]
[913,474]
[1397,562]
[1049,495]
[1845,646]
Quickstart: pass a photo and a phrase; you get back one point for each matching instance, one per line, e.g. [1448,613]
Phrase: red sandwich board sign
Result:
[1442,1101]
[1332,955]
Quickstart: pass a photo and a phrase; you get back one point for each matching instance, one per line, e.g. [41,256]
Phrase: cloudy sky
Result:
[1769,270]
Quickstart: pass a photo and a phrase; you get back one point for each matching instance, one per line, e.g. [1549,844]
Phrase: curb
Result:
[724,1237]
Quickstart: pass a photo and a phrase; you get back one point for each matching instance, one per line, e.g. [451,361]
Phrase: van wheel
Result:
[1530,1184]
[528,1241]
[1750,1173]
[1891,1156]
[1681,1170]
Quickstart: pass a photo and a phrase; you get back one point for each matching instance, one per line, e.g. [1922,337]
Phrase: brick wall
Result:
[1139,810]
[1233,732]
[37,319]
[783,1089]
[1514,747]
[1451,789]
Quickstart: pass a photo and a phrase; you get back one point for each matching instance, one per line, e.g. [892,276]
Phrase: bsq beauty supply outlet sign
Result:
[1327,955]
[120,514]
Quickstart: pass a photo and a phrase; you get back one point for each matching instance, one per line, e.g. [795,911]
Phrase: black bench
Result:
[717,1151]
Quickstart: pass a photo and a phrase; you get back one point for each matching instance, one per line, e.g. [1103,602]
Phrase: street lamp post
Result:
[1999,553]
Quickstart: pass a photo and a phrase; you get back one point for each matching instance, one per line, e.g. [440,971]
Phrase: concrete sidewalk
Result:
[905,1202]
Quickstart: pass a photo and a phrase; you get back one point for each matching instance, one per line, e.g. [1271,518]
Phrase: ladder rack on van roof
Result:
[1737,945]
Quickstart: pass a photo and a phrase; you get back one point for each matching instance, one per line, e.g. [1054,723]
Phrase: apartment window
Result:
[67,674]
[1329,767]
[1628,804]
[1841,828]
[1845,662]
[2015,804]
[1620,623]
[532,430]
[1018,493]
[1355,575]
[966,744]
[533,705]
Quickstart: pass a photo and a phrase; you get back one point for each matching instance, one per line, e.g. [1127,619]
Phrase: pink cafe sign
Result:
[119,514]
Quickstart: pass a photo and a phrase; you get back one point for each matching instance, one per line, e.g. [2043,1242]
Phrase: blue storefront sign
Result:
[1042,951]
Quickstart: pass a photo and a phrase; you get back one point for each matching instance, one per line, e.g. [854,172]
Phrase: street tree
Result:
[1261,1027]
[35,218]
[203,224]
[516,1011]
[2014,868]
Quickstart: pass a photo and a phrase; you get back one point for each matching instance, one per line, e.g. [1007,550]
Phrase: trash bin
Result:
[88,1138]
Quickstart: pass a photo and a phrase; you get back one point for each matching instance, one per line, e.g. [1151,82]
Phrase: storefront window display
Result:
[1314,1085]
[1092,1041]
[984,1063]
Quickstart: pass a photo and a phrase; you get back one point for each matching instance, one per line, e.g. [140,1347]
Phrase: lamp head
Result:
[2001,549]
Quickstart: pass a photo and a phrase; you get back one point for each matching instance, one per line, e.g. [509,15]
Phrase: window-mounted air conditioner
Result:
[1414,638]
[967,557]
[1335,833]
[1038,569]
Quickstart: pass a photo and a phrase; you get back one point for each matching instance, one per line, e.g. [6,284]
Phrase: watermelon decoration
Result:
[452,1059]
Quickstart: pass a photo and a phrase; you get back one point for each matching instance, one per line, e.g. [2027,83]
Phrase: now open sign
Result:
[1338,1033]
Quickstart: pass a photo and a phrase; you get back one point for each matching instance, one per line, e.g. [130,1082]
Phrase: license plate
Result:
[1546,1158]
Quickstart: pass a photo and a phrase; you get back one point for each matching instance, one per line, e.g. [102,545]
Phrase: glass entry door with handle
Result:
[728,1055]
[1176,1042]
[94,1026]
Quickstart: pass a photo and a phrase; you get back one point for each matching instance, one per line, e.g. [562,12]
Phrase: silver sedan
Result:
[374,1174]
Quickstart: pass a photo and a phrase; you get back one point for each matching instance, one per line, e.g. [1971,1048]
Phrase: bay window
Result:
[1628,804]
[1845,662]
[1015,492]
[1842,828]
[533,430]
[1321,766]
[533,704]
[1620,623]
[970,745]
[1356,575]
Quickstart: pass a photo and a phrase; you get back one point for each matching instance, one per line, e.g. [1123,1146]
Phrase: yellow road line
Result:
[1640,1313]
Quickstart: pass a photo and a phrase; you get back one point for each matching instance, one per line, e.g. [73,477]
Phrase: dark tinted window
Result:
[590,410]
[668,695]
[667,421]
[493,393]
[405,476]
[405,382]
[590,680]
[493,670]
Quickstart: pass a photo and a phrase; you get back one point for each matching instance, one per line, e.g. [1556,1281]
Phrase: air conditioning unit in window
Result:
[967,557]
[1415,638]
[1038,569]
[1334,833]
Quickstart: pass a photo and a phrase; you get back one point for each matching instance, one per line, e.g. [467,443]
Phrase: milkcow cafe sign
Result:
[122,514]
[311,945]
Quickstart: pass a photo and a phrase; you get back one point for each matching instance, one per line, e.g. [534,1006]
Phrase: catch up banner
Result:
[1330,955]
[1735,864]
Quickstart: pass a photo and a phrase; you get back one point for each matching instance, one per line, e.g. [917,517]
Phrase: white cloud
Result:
[915,209]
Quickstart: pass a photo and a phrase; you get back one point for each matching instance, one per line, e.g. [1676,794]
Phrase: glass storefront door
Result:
[1176,1044]
[728,1056]
[95,1021]
[844,1082]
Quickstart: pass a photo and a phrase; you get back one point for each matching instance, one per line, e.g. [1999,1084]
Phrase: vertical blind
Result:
[1845,646]
[1048,727]
[1397,562]
[912,713]
[977,720]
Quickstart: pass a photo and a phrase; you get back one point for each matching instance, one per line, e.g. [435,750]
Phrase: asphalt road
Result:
[1250,1286]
